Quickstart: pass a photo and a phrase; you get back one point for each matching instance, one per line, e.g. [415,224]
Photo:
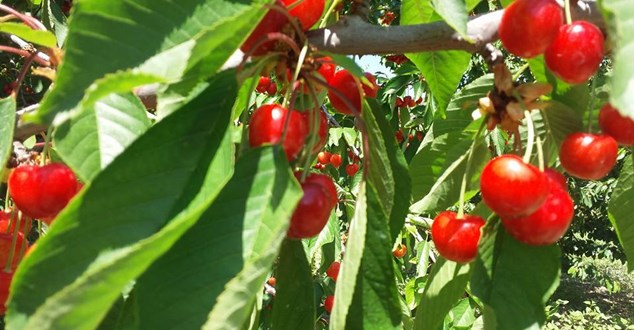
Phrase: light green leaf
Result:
[454,12]
[621,208]
[161,38]
[7,126]
[446,285]
[55,20]
[514,280]
[40,37]
[294,306]
[620,18]
[89,142]
[133,212]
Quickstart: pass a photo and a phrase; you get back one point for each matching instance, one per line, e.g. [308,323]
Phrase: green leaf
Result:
[40,37]
[388,169]
[446,285]
[123,315]
[294,305]
[621,208]
[619,18]
[55,20]
[514,280]
[179,289]
[376,302]
[454,12]
[161,38]
[7,126]
[133,212]
[89,142]
[437,168]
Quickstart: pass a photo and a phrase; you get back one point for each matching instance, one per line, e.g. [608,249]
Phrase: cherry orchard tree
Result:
[209,155]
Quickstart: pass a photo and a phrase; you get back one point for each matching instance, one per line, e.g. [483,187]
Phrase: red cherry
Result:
[271,281]
[511,187]
[352,169]
[41,192]
[5,247]
[333,270]
[575,54]
[308,12]
[322,130]
[263,84]
[267,126]
[312,212]
[399,251]
[620,127]
[399,102]
[336,160]
[273,21]
[325,182]
[456,239]
[5,220]
[5,283]
[324,157]
[345,84]
[419,136]
[407,101]
[588,156]
[329,302]
[554,176]
[327,68]
[399,136]
[529,26]
[549,223]
[271,89]
[370,91]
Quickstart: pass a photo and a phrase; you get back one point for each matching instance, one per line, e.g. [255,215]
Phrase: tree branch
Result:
[352,35]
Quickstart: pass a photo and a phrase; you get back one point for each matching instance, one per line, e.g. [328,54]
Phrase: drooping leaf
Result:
[180,289]
[294,305]
[7,127]
[159,38]
[619,18]
[620,210]
[446,285]
[89,142]
[40,37]
[174,171]
[514,280]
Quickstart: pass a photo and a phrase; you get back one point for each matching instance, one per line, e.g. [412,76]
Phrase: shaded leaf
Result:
[621,208]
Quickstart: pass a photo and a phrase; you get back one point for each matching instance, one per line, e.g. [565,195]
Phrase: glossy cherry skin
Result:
[273,21]
[400,251]
[370,91]
[329,302]
[529,26]
[324,157]
[346,85]
[352,169]
[588,156]
[336,160]
[5,283]
[511,187]
[576,53]
[556,177]
[325,182]
[327,67]
[263,84]
[312,212]
[620,127]
[308,12]
[333,270]
[5,247]
[549,223]
[322,130]
[267,126]
[42,191]
[271,281]
[456,239]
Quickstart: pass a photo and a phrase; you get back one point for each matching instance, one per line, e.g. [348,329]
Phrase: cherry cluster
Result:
[266,85]
[408,102]
[38,192]
[573,51]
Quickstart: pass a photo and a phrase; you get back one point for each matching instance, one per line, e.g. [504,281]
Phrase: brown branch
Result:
[352,35]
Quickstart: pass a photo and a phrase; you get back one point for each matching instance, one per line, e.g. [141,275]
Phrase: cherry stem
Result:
[567,11]
[27,225]
[465,175]
[272,36]
[540,153]
[593,97]
[23,53]
[28,20]
[14,240]
[315,124]
[519,72]
[291,90]
[530,128]
[22,73]
[45,151]
[331,10]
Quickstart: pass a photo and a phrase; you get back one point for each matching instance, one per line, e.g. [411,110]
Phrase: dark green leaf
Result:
[514,280]
[446,285]
[89,142]
[294,304]
[621,208]
[132,212]
[123,315]
[55,20]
